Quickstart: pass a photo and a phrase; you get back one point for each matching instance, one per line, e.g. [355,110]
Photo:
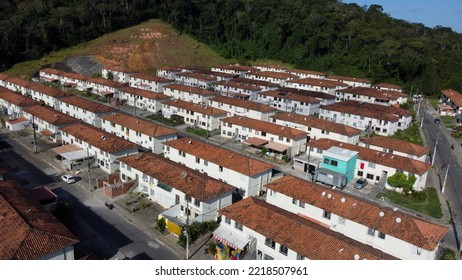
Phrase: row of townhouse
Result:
[240,107]
[46,95]
[13,104]
[276,138]
[86,110]
[149,82]
[302,220]
[318,128]
[290,102]
[279,78]
[363,119]
[371,95]
[118,74]
[374,165]
[320,85]
[351,81]
[247,175]
[194,79]
[147,134]
[453,99]
[197,115]
[145,100]
[105,148]
[396,146]
[237,89]
[239,70]
[187,194]
[189,93]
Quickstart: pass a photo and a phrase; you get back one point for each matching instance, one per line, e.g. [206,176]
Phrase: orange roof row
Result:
[360,110]
[50,115]
[255,106]
[138,124]
[397,145]
[198,108]
[186,180]
[86,104]
[191,89]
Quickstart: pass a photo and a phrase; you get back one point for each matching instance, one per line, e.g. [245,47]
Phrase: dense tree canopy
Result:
[323,35]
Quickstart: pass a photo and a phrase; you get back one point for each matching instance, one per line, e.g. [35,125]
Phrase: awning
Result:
[66,148]
[277,147]
[47,132]
[107,93]
[255,141]
[75,155]
[230,238]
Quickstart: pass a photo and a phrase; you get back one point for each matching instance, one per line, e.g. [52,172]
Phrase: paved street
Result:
[104,233]
[445,156]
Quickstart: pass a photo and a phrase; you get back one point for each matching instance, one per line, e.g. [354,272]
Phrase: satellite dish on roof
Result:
[398,220]
[329,196]
[356,257]
[343,200]
[323,194]
[381,214]
[183,174]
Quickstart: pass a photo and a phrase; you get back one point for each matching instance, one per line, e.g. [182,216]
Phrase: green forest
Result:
[322,35]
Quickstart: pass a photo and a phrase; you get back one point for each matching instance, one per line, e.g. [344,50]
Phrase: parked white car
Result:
[68,179]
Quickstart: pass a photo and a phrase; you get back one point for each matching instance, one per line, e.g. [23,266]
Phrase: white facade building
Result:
[83,109]
[321,85]
[249,176]
[240,107]
[189,93]
[149,82]
[145,100]
[396,146]
[290,102]
[351,81]
[119,74]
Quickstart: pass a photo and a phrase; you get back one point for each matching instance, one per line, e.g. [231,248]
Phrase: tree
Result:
[110,76]
[399,180]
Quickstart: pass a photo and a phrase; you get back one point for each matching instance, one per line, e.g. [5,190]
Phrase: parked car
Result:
[68,179]
[437,121]
[360,183]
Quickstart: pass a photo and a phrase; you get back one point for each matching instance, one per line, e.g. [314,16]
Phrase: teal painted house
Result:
[340,161]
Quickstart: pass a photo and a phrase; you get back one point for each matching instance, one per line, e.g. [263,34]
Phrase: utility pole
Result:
[35,134]
[308,167]
[89,170]
[186,231]
[434,150]
[422,119]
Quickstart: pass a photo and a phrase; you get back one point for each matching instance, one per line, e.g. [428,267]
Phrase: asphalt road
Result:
[103,233]
[445,156]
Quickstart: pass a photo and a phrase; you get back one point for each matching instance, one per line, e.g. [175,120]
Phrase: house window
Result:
[268,258]
[197,202]
[220,168]
[326,214]
[281,138]
[370,176]
[360,173]
[270,243]
[283,250]
[238,226]
[300,257]
[227,220]
[187,198]
[371,231]
[198,160]
[206,163]
[301,204]
[382,235]
[294,201]
[334,163]
[326,161]
[341,220]
[263,133]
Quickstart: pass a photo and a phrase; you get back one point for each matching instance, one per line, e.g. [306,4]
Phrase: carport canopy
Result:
[71,152]
[277,147]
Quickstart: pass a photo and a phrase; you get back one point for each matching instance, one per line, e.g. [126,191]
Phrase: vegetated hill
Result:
[323,35]
[143,48]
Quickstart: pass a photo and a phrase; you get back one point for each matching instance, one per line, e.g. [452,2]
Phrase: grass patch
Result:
[161,119]
[198,131]
[411,134]
[434,101]
[429,206]
[448,121]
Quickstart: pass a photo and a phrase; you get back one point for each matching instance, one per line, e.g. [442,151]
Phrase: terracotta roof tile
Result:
[311,121]
[386,85]
[373,92]
[86,104]
[243,103]
[195,90]
[186,180]
[197,76]
[258,83]
[360,109]
[151,78]
[395,161]
[392,110]
[301,235]
[316,94]
[99,138]
[203,109]
[306,72]
[397,145]
[28,232]
[17,81]
[50,115]
[220,156]
[268,127]
[319,82]
[118,69]
[17,99]
[53,92]
[290,96]
[235,67]
[51,71]
[454,96]
[234,84]
[272,74]
[138,124]
[411,229]
[73,76]
[216,74]
[349,79]
[144,93]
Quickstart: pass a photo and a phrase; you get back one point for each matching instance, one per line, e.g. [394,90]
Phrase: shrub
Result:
[286,158]
[448,254]
[161,224]
[420,196]
[264,150]
[399,180]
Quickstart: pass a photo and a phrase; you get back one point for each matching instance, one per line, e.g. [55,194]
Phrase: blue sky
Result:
[431,13]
